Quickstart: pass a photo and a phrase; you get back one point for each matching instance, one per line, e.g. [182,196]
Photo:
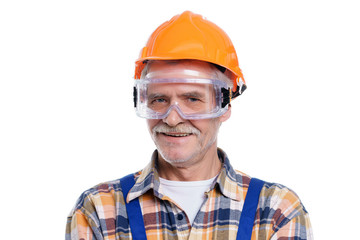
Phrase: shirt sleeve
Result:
[297,228]
[281,215]
[82,222]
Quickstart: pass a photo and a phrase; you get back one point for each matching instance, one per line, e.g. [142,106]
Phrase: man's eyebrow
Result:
[192,94]
[195,94]
[155,95]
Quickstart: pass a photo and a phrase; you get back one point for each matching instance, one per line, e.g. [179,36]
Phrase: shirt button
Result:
[180,217]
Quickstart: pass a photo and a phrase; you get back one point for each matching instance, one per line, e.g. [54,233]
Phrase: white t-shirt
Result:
[188,195]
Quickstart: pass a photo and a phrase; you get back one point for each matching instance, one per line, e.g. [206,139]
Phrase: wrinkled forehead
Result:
[185,89]
[180,69]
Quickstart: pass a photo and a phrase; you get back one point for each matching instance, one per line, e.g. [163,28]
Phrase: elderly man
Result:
[184,80]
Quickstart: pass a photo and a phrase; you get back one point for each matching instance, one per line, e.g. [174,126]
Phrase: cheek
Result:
[151,123]
[207,127]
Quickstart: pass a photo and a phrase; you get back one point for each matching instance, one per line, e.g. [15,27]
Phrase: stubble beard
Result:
[197,151]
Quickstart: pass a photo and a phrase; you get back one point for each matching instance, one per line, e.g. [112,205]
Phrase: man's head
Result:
[188,72]
[182,141]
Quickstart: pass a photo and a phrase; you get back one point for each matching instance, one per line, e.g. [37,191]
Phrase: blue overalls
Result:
[247,217]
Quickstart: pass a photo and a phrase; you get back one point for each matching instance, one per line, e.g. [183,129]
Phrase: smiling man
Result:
[185,141]
[185,78]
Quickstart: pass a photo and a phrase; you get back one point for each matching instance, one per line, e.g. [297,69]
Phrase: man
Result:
[185,78]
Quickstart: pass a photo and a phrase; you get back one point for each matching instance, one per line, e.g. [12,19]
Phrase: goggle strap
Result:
[135,96]
[226,97]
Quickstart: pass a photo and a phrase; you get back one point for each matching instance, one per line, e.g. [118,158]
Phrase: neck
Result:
[199,168]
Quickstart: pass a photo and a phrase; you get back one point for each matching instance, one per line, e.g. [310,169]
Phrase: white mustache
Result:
[164,128]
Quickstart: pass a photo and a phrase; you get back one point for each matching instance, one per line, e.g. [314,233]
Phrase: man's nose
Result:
[174,118]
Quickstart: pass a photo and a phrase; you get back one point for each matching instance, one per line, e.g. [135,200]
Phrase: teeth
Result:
[177,135]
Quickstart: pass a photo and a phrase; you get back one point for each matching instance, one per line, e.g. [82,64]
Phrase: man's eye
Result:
[194,99]
[159,100]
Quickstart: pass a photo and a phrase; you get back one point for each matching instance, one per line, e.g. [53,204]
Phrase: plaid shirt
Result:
[100,211]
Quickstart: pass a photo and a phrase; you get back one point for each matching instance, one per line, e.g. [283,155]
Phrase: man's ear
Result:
[226,115]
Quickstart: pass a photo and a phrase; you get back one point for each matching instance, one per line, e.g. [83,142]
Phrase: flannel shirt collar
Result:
[227,180]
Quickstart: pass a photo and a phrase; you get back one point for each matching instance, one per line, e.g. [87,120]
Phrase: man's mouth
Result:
[177,134]
[181,131]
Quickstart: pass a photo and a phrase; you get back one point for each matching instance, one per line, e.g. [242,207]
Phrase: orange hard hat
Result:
[190,36]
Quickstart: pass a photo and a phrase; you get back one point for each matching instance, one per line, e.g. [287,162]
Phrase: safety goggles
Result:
[191,98]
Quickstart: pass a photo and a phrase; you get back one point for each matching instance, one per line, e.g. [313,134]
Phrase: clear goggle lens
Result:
[191,98]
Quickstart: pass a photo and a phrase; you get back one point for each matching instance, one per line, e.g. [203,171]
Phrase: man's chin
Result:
[174,158]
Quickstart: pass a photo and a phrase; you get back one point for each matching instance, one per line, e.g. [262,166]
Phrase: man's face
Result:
[183,142]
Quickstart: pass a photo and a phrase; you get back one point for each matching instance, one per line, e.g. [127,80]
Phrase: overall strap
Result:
[133,209]
[247,217]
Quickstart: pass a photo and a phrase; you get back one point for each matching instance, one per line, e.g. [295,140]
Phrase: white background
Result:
[67,121]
